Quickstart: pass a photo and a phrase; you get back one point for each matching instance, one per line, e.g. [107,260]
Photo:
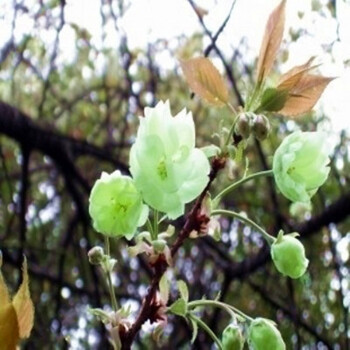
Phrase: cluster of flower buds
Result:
[250,123]
[261,335]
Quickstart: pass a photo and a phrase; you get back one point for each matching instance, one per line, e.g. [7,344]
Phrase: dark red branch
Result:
[193,222]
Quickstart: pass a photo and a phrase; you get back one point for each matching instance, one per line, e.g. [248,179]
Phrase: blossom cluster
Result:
[167,171]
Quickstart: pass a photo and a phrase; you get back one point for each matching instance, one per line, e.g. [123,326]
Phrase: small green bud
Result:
[263,335]
[96,255]
[288,255]
[243,124]
[159,245]
[232,338]
[261,127]
[300,165]
[298,210]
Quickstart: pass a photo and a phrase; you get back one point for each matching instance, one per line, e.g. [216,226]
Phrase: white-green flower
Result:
[167,168]
[116,206]
[300,165]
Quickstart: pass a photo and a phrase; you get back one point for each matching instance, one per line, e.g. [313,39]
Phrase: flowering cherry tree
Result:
[176,195]
[168,172]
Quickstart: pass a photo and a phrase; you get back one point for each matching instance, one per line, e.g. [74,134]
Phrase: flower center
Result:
[161,170]
[290,170]
[119,207]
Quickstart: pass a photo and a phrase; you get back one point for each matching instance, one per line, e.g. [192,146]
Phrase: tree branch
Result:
[193,222]
[21,128]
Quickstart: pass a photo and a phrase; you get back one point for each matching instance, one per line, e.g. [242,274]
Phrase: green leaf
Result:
[164,288]
[179,307]
[102,315]
[194,330]
[272,100]
[183,290]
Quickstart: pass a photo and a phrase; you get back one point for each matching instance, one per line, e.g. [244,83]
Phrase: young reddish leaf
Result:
[271,41]
[200,11]
[9,333]
[291,78]
[205,80]
[24,305]
[305,94]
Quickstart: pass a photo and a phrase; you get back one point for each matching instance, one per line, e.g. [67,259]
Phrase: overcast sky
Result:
[147,20]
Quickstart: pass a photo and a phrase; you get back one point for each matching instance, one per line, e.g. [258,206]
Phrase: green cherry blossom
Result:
[300,165]
[288,255]
[116,206]
[263,335]
[167,168]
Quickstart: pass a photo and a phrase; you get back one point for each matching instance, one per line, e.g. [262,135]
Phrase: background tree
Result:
[70,113]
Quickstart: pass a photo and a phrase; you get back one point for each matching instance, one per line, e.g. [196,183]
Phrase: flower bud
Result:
[243,124]
[261,127]
[232,338]
[159,245]
[299,210]
[288,255]
[263,335]
[96,255]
